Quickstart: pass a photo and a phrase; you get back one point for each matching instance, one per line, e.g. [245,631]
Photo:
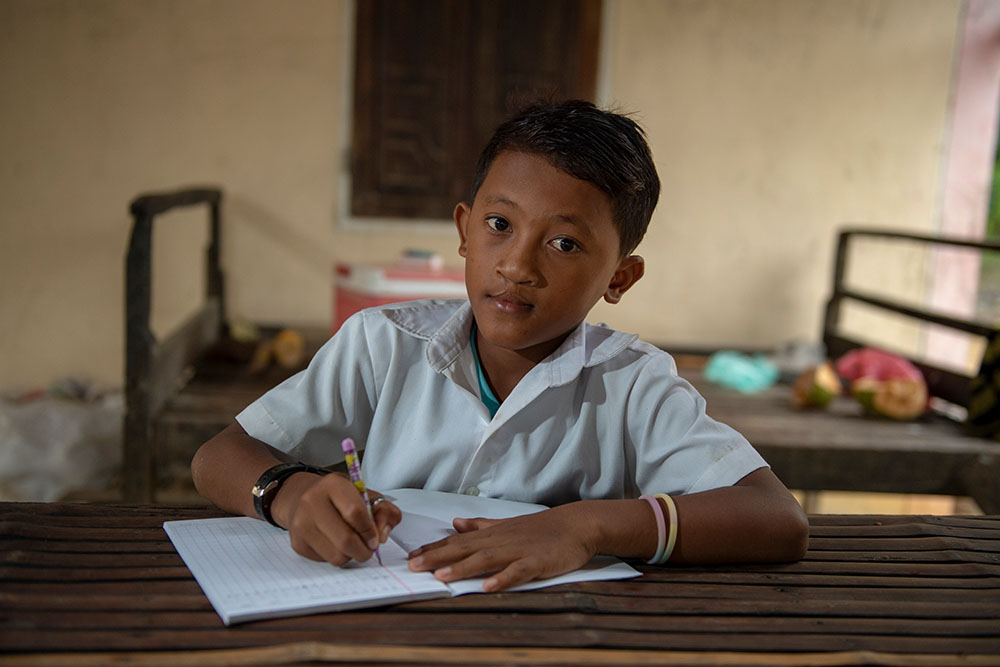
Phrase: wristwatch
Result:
[268,484]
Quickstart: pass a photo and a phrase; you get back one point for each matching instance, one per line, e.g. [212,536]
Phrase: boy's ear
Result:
[628,273]
[462,212]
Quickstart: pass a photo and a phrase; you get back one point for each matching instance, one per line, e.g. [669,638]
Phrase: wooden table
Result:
[841,449]
[95,584]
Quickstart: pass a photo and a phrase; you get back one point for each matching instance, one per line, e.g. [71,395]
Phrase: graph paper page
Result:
[248,570]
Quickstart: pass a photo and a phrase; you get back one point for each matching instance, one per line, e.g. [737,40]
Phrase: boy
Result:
[513,395]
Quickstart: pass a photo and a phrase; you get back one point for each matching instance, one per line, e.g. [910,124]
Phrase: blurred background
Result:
[773,123]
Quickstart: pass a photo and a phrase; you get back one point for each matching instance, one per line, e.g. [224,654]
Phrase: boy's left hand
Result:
[520,549]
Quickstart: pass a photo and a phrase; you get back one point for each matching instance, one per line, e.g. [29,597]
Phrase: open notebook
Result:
[248,570]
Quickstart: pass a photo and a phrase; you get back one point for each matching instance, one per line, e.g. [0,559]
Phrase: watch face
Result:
[267,486]
[271,480]
[272,477]
[258,491]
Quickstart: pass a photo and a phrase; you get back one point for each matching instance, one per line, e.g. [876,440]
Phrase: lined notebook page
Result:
[248,570]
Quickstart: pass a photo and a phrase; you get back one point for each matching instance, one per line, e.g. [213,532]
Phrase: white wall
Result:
[772,123]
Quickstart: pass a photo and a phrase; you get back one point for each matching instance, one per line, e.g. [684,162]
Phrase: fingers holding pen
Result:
[322,534]
[379,534]
[332,523]
[387,515]
[370,525]
[318,530]
[358,517]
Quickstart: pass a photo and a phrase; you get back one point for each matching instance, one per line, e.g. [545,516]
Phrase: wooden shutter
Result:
[434,77]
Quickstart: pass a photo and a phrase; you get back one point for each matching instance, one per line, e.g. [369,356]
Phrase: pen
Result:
[354,470]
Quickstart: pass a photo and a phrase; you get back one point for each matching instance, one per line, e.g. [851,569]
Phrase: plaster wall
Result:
[772,124]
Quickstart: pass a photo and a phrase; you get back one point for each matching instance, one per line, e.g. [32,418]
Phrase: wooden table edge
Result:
[300,652]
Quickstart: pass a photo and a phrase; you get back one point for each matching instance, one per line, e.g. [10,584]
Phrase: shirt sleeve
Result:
[309,414]
[679,449]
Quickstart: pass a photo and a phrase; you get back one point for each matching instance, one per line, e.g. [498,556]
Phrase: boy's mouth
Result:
[510,303]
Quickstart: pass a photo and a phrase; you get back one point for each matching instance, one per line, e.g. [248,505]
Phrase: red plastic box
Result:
[360,286]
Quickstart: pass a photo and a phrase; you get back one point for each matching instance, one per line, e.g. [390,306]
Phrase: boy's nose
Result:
[519,265]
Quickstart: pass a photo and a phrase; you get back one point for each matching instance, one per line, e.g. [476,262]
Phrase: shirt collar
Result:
[587,346]
[447,324]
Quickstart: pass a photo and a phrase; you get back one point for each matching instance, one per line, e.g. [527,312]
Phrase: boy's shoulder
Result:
[440,327]
[423,318]
[604,343]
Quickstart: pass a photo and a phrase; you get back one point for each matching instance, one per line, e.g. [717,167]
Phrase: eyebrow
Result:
[500,199]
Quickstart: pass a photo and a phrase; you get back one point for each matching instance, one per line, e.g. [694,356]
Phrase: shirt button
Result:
[472,491]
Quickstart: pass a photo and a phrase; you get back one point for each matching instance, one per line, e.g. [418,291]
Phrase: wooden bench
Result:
[840,448]
[182,390]
[185,389]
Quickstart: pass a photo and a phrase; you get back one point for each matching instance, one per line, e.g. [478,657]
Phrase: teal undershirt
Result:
[486,394]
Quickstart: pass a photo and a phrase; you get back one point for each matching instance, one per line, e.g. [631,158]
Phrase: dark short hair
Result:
[604,148]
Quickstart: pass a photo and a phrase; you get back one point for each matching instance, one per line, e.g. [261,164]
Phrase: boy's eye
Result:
[564,244]
[497,223]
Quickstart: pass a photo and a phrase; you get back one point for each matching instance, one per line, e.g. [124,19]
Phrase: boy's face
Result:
[540,248]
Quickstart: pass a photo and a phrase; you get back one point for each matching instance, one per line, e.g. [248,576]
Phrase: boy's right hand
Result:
[327,520]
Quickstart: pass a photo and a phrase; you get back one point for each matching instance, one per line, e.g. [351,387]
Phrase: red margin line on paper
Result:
[393,575]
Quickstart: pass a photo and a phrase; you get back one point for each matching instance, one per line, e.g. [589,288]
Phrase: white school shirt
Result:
[604,416]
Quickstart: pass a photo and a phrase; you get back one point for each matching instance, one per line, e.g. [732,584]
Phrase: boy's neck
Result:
[504,368]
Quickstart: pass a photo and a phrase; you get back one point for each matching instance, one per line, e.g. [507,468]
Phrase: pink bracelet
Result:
[661,529]
[672,539]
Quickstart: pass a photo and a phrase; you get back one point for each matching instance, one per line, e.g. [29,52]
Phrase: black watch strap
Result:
[268,484]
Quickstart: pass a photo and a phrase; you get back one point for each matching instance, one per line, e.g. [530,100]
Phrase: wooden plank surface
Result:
[841,448]
[79,581]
